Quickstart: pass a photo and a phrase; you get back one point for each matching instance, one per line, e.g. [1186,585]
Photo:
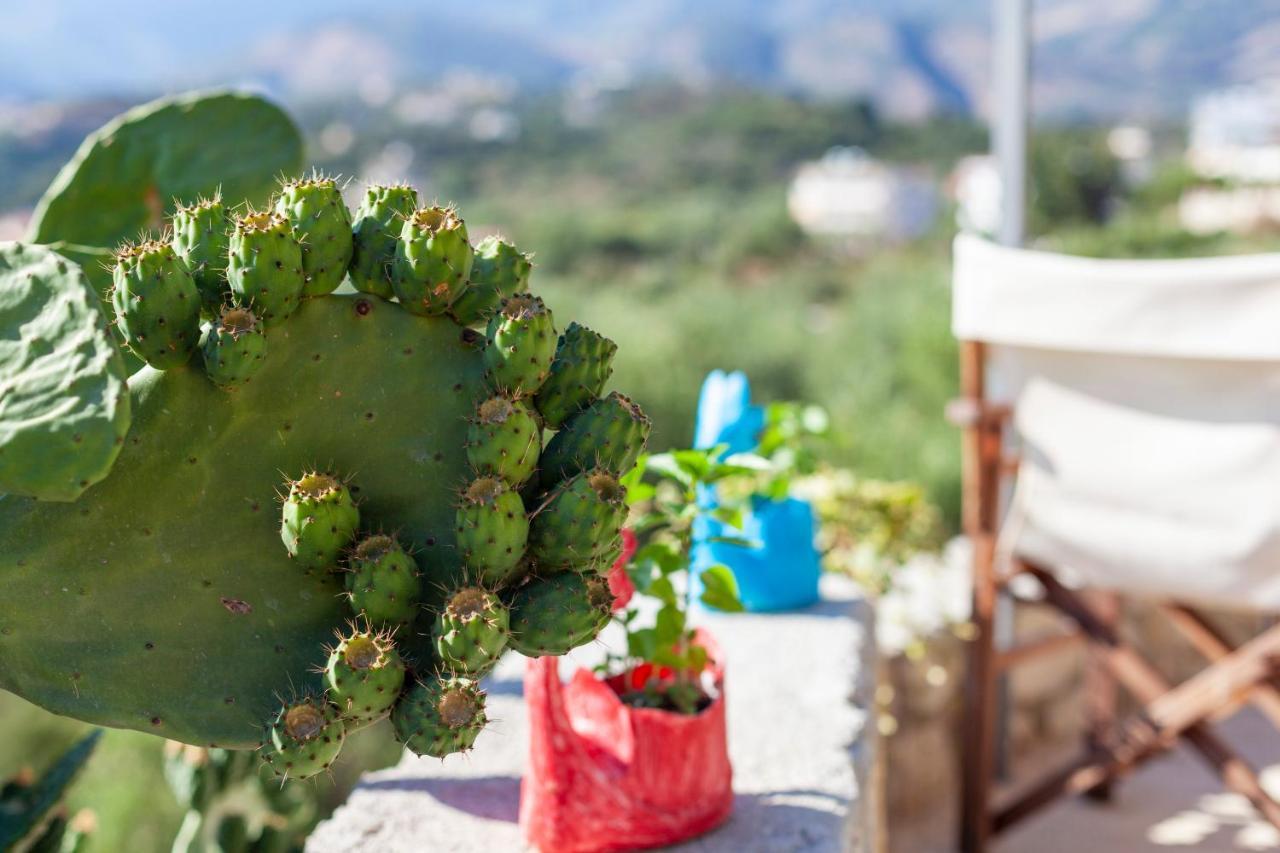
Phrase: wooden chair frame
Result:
[1113,747]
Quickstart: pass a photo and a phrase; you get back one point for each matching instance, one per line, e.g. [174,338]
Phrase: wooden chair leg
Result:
[978,745]
[1213,645]
[1172,712]
[1100,693]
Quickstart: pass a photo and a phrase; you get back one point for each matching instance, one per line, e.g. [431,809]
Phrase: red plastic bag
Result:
[619,581]
[605,776]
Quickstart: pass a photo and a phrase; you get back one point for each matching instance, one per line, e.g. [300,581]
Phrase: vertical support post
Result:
[1010,120]
[981,480]
[1010,111]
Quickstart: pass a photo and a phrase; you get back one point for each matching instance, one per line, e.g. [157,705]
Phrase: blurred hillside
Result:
[1100,58]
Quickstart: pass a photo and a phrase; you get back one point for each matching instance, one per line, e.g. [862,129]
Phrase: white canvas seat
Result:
[1147,406]
[1135,406]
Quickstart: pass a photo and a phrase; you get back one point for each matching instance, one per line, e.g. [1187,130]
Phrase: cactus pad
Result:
[64,405]
[183,147]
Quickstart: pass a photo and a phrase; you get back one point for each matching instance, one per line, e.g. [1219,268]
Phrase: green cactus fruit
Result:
[471,631]
[492,530]
[375,232]
[156,303]
[233,348]
[64,403]
[384,582]
[303,739]
[609,434]
[364,675]
[579,524]
[264,265]
[504,439]
[582,365]
[552,615]
[319,520]
[522,343]
[322,226]
[201,237]
[500,270]
[433,260]
[440,716]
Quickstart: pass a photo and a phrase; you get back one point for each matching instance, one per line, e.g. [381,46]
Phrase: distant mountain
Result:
[1102,58]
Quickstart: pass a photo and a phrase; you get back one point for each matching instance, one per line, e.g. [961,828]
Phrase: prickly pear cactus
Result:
[348,488]
[64,406]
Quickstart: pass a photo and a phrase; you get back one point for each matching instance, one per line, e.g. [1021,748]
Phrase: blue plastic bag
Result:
[780,570]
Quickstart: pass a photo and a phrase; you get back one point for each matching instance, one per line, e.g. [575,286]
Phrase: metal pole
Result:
[1012,44]
[1012,71]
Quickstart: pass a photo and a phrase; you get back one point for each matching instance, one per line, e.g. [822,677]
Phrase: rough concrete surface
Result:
[803,755]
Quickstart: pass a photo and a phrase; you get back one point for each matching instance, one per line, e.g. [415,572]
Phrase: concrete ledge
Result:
[802,743]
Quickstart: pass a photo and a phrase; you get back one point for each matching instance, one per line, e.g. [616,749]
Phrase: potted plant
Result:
[635,754]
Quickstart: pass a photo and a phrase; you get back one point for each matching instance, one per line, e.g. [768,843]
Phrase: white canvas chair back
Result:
[1147,404]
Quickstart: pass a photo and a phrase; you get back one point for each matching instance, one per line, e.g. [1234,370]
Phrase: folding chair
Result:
[1121,425]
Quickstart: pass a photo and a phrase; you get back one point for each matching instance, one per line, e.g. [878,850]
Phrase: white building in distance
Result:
[850,196]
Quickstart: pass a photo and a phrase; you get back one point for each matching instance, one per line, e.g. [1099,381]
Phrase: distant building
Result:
[1235,138]
[974,185]
[1235,134]
[849,195]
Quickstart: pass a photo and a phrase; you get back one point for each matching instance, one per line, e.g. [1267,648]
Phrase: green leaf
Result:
[663,590]
[730,515]
[720,589]
[642,643]
[695,463]
[666,466]
[669,625]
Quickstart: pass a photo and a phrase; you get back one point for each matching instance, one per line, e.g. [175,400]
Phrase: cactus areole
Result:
[362,471]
